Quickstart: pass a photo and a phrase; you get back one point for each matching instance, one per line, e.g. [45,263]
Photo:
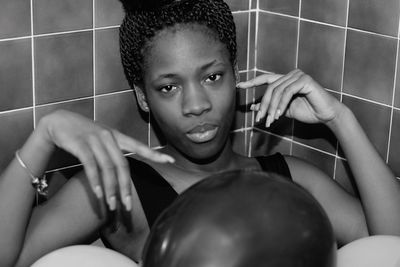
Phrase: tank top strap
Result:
[275,163]
[154,192]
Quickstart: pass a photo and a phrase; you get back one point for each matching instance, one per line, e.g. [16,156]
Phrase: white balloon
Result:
[372,251]
[84,256]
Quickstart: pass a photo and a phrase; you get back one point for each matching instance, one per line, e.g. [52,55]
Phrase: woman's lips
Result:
[202,133]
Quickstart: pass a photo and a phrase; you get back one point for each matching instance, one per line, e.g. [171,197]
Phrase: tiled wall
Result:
[64,54]
[351,47]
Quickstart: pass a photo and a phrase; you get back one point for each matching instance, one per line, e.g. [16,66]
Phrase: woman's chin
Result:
[205,153]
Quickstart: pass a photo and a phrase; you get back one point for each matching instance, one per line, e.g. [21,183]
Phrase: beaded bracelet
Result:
[39,183]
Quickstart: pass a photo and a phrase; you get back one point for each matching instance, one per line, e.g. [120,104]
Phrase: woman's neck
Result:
[226,160]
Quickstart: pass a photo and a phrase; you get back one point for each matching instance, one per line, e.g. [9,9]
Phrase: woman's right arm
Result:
[17,196]
[72,216]
[68,217]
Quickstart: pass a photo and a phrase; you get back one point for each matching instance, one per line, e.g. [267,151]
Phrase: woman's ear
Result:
[141,99]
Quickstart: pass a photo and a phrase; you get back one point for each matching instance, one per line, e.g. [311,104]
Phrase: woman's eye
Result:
[213,78]
[168,89]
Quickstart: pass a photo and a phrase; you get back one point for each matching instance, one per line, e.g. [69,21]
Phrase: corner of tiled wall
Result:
[350,48]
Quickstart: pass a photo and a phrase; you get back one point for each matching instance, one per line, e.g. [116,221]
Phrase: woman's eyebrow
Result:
[166,76]
[212,63]
[215,62]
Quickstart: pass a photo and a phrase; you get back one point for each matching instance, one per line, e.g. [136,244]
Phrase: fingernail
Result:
[112,203]
[268,122]
[168,158]
[258,117]
[253,107]
[271,120]
[277,114]
[98,191]
[128,203]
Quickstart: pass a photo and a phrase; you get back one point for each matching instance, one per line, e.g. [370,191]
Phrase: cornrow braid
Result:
[140,26]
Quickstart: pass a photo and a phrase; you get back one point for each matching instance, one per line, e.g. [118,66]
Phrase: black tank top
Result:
[156,194]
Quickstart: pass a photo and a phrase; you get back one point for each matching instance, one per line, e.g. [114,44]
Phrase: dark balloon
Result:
[242,219]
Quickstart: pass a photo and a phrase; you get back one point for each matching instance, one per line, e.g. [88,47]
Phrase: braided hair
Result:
[143,20]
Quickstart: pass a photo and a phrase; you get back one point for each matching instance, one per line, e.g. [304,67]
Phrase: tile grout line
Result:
[247,65]
[149,131]
[324,23]
[71,100]
[94,56]
[33,68]
[33,83]
[371,33]
[106,27]
[63,32]
[244,11]
[296,142]
[256,35]
[56,33]
[393,94]
[113,93]
[16,38]
[257,18]
[65,101]
[366,100]
[329,24]
[298,36]
[342,80]
[296,65]
[14,110]
[241,130]
[350,95]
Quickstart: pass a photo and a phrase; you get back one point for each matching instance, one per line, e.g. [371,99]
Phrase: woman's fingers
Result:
[98,148]
[107,170]
[266,78]
[106,147]
[129,144]
[273,80]
[274,110]
[85,155]
[265,102]
[278,96]
[255,107]
[288,94]
[121,168]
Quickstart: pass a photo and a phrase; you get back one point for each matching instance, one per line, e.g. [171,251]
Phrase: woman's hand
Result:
[295,95]
[98,148]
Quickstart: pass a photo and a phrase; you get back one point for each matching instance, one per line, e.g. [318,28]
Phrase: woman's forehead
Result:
[185,48]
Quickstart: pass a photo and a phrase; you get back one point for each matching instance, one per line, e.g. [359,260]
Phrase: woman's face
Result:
[190,89]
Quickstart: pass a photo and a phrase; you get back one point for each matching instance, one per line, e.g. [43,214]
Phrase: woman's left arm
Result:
[296,95]
[378,187]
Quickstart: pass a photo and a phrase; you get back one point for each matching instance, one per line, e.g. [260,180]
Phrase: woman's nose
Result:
[195,100]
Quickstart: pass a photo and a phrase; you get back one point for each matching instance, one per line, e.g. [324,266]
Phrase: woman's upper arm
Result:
[72,216]
[344,210]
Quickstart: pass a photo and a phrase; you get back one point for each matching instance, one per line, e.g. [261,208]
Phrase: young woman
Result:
[181,61]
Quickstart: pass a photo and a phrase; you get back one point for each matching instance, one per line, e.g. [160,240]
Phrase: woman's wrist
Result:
[37,149]
[42,132]
[343,115]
